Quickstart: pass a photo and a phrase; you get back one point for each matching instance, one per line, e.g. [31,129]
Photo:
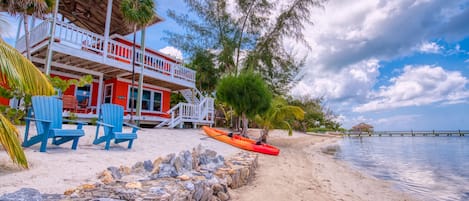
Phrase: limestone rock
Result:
[125,170]
[116,174]
[223,196]
[148,165]
[106,177]
[24,194]
[69,191]
[156,165]
[133,185]
[183,177]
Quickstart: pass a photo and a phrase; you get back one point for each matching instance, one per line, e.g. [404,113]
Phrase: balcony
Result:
[87,52]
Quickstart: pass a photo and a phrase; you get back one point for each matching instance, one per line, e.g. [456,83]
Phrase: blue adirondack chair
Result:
[48,118]
[111,118]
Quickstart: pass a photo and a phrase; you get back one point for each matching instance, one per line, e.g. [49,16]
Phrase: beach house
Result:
[87,38]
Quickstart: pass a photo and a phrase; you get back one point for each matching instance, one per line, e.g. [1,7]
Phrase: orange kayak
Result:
[241,142]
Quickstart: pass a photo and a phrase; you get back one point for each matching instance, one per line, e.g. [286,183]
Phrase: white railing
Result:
[186,112]
[78,38]
[36,35]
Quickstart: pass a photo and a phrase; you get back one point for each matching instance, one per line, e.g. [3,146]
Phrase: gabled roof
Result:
[91,15]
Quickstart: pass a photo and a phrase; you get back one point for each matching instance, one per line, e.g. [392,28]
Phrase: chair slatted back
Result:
[112,114]
[47,108]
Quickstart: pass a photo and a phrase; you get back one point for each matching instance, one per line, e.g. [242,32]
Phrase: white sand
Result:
[303,172]
[61,168]
[300,172]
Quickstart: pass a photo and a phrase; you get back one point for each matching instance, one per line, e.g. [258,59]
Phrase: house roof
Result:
[91,15]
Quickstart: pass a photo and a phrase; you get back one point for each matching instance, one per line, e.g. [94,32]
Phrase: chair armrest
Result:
[104,124]
[33,119]
[133,126]
[74,121]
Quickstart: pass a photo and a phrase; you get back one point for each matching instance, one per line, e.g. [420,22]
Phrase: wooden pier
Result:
[433,133]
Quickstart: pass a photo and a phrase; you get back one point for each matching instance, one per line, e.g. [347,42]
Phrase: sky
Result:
[397,65]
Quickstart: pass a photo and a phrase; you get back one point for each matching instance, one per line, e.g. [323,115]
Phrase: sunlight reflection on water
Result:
[429,168]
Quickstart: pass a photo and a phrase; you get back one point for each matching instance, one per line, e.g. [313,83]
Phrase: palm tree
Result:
[18,73]
[277,116]
[24,8]
[137,13]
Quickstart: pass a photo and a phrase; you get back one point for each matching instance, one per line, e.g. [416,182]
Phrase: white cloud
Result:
[419,85]
[172,51]
[354,81]
[467,61]
[430,47]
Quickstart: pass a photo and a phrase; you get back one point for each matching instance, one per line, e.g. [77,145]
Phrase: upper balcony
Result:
[80,52]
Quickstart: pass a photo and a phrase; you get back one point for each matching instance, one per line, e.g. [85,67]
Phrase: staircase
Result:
[198,110]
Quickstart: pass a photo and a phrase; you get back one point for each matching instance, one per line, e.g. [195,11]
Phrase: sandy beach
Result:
[301,171]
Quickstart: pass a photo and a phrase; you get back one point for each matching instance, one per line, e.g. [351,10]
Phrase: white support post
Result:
[140,77]
[51,38]
[107,27]
[100,94]
[19,30]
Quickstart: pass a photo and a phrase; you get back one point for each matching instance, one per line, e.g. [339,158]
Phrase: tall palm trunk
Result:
[26,36]
[132,104]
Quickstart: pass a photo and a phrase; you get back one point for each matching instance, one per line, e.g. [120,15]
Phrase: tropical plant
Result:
[137,13]
[246,34]
[207,75]
[18,73]
[277,117]
[247,93]
[62,85]
[24,8]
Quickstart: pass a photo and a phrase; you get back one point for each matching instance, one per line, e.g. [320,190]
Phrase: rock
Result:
[116,174]
[189,186]
[223,196]
[167,170]
[126,194]
[169,159]
[87,186]
[217,187]
[183,177]
[125,170]
[178,165]
[156,165]
[148,165]
[106,177]
[138,167]
[24,194]
[187,162]
[133,185]
[52,197]
[69,191]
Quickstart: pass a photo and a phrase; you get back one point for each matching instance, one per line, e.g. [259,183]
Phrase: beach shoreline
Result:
[306,170]
[302,171]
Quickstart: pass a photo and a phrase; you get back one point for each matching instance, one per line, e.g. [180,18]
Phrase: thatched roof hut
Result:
[362,127]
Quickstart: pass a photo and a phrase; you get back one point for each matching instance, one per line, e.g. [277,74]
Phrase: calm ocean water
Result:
[429,168]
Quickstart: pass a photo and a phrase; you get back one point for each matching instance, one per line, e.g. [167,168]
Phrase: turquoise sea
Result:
[428,168]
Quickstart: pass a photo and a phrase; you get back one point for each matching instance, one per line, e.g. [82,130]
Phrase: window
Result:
[151,100]
[108,93]
[157,101]
[83,95]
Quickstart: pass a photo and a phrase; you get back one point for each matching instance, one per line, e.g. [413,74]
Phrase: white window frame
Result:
[152,91]
[112,92]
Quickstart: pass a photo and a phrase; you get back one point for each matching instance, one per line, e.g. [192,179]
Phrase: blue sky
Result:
[398,65]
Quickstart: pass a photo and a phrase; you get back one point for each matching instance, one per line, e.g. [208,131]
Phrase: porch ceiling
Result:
[91,15]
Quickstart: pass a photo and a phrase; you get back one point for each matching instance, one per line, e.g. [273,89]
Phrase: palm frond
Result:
[19,73]
[10,142]
[139,12]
